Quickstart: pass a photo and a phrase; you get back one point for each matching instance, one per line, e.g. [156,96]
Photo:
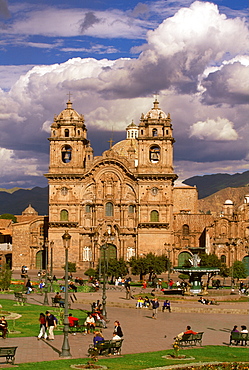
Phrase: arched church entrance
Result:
[110,252]
[38,260]
[183,258]
[246,263]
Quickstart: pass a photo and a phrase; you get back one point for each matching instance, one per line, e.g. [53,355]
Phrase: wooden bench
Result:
[20,298]
[60,303]
[191,340]
[79,326]
[105,348]
[239,337]
[9,353]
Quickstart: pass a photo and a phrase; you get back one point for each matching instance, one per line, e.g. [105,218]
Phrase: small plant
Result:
[176,347]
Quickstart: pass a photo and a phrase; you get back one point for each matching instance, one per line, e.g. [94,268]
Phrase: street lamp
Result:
[46,275]
[51,264]
[65,350]
[169,263]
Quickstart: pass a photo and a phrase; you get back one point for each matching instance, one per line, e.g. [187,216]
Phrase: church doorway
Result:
[38,260]
[183,258]
[246,263]
[110,252]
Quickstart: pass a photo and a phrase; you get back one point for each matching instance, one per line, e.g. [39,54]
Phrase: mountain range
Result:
[215,189]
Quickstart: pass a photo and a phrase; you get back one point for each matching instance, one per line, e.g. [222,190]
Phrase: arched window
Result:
[154,132]
[66,154]
[185,230]
[131,208]
[109,209]
[87,254]
[66,132]
[154,216]
[142,132]
[154,154]
[130,253]
[223,258]
[64,215]
[88,208]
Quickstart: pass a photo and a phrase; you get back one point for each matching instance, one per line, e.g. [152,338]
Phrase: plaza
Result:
[141,333]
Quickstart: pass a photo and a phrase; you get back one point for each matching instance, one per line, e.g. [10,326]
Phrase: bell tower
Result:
[68,142]
[155,142]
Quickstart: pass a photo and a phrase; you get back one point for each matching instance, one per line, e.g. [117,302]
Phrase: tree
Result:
[71,267]
[90,272]
[8,216]
[149,264]
[5,277]
[238,270]
[117,268]
[210,260]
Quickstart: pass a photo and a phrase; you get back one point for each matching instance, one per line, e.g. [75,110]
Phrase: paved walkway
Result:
[141,332]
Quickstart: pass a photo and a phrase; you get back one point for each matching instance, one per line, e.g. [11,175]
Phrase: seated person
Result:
[116,336]
[3,326]
[58,299]
[99,317]
[90,323]
[72,320]
[146,302]
[203,300]
[234,330]
[243,330]
[166,305]
[73,286]
[98,338]
[189,330]
[140,302]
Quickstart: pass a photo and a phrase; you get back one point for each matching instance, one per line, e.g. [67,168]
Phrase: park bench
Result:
[191,340]
[20,298]
[9,353]
[56,303]
[173,291]
[105,348]
[239,337]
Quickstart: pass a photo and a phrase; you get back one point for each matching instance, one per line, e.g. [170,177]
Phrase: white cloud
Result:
[211,129]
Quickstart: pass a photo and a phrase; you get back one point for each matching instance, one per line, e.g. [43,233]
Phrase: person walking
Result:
[50,325]
[155,305]
[42,320]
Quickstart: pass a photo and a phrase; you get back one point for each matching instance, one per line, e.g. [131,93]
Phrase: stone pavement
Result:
[141,332]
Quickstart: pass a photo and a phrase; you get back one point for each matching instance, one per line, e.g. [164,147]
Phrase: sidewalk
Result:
[141,333]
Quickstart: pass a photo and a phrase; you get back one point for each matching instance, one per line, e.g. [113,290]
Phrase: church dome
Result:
[123,147]
[155,113]
[69,113]
[29,211]
[228,202]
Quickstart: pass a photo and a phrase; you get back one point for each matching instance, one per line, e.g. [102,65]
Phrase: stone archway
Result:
[111,252]
[182,257]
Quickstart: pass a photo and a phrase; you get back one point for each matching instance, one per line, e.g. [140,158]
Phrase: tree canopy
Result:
[149,264]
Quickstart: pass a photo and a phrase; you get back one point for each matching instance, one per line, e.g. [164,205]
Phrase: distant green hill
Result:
[16,202]
[209,184]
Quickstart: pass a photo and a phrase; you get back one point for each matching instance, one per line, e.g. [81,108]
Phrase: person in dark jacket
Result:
[117,329]
[155,305]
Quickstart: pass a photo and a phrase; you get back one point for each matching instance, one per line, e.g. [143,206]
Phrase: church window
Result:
[154,216]
[130,253]
[132,134]
[42,230]
[154,132]
[154,154]
[66,154]
[66,132]
[88,208]
[87,254]
[167,132]
[131,208]
[223,258]
[142,132]
[185,230]
[128,134]
[109,209]
[64,215]
[78,132]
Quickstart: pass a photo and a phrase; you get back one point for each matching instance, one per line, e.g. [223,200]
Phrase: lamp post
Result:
[65,350]
[108,236]
[46,275]
[51,264]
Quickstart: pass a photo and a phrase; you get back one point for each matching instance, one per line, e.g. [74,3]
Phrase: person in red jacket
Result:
[189,331]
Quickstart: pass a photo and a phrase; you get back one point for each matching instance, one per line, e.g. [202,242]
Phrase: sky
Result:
[114,57]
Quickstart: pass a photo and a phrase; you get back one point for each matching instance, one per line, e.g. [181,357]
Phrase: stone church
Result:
[128,199]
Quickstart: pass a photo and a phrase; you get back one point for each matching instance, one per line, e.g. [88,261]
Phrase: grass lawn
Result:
[152,359]
[28,324]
